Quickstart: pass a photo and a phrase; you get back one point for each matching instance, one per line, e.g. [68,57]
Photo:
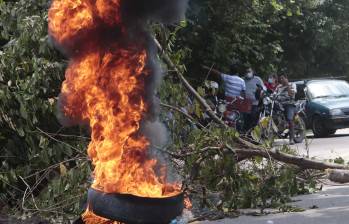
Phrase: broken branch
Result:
[190,118]
[187,85]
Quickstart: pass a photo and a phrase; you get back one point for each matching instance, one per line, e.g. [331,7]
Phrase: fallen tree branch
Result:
[338,176]
[184,155]
[255,150]
[274,154]
[187,85]
[190,118]
[290,159]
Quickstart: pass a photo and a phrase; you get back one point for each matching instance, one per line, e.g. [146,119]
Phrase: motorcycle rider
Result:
[272,83]
[286,92]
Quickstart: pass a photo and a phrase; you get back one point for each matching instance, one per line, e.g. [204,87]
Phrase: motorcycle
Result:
[273,123]
[229,114]
[226,110]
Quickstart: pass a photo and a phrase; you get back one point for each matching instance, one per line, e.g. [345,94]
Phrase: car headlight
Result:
[336,112]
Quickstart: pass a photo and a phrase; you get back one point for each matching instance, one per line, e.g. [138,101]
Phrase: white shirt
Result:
[284,96]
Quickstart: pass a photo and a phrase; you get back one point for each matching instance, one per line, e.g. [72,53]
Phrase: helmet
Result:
[211,85]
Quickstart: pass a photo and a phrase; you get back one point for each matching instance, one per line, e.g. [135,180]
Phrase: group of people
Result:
[251,87]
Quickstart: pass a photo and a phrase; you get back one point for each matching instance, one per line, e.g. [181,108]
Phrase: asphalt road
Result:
[331,147]
[330,206]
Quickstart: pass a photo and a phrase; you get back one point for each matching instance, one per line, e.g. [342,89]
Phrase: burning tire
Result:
[133,209]
[110,84]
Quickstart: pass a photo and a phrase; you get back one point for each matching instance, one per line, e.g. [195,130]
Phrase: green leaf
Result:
[43,142]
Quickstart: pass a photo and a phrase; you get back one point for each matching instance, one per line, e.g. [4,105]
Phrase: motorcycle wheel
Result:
[299,130]
[268,131]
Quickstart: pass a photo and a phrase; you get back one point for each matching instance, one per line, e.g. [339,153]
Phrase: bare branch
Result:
[188,86]
[290,159]
[25,195]
[64,143]
[57,165]
[190,118]
[244,153]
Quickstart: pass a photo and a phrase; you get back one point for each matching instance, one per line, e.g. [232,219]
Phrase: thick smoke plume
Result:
[111,86]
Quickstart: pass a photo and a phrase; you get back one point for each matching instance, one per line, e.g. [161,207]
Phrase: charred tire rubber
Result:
[132,209]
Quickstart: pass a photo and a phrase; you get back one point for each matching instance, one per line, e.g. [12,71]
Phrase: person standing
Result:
[254,88]
[234,91]
[286,92]
[233,85]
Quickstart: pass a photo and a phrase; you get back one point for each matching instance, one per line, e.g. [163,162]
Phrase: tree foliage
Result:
[307,38]
[31,72]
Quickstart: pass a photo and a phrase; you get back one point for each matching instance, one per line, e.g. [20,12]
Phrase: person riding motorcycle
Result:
[287,92]
[272,83]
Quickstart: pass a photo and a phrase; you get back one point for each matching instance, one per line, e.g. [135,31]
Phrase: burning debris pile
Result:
[110,85]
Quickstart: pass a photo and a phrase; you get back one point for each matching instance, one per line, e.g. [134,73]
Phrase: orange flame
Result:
[187,203]
[105,87]
[90,218]
[69,17]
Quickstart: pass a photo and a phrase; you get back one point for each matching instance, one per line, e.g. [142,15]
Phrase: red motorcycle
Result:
[230,110]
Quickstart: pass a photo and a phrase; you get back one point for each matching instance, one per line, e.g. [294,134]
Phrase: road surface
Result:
[325,148]
[330,206]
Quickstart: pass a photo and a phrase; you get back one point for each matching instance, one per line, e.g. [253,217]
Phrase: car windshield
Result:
[328,89]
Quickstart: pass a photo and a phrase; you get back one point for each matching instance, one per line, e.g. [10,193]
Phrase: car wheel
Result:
[318,128]
[332,132]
